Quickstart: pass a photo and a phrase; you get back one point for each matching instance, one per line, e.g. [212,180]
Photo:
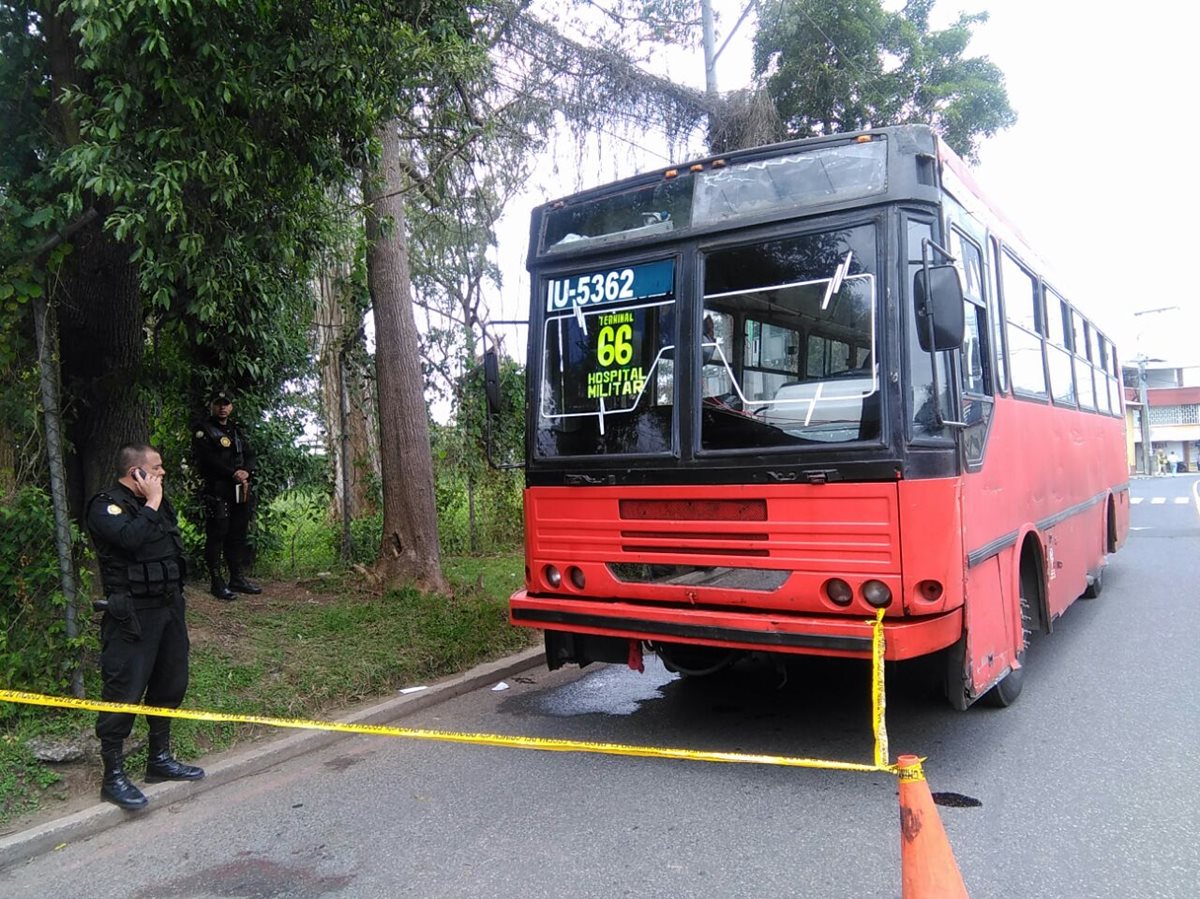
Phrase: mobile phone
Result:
[141,472]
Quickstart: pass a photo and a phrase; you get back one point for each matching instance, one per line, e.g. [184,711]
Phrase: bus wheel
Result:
[1095,585]
[1005,693]
[695,661]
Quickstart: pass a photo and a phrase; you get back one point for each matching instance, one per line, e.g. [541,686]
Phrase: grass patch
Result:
[300,650]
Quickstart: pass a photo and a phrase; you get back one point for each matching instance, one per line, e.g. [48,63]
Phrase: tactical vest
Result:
[150,571]
[227,443]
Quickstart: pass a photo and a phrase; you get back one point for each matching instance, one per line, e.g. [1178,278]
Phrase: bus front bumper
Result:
[822,635]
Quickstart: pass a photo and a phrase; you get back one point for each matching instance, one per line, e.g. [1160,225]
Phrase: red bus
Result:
[772,392]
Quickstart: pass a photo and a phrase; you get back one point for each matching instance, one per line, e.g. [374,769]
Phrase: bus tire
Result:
[1008,688]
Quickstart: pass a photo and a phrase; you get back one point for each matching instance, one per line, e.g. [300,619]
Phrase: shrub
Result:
[35,653]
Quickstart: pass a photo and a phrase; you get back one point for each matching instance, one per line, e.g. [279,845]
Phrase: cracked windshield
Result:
[788,346]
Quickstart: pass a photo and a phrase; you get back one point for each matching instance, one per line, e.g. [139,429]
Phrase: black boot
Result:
[219,590]
[238,582]
[116,787]
[160,765]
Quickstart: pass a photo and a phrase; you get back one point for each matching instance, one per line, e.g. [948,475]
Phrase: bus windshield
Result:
[786,350]
[608,362]
[789,342]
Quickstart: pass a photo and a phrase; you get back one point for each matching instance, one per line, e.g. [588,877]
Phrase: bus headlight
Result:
[839,591]
[553,576]
[877,593]
[577,578]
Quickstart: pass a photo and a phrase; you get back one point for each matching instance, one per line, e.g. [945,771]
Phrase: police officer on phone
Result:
[226,462]
[143,635]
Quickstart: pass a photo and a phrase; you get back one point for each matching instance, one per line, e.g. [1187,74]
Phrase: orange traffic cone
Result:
[927,863]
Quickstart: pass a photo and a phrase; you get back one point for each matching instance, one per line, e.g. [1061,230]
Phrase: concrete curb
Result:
[26,844]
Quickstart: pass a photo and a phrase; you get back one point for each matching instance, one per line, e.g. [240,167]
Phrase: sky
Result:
[1096,173]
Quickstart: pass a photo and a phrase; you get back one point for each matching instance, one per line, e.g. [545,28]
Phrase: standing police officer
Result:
[226,461]
[143,635]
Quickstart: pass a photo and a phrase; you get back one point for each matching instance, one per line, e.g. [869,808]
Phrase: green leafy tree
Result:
[442,172]
[206,136]
[844,65]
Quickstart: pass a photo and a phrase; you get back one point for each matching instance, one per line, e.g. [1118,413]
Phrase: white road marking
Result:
[1136,500]
[1158,501]
[1181,500]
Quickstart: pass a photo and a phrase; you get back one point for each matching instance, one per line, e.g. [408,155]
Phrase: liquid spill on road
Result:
[956,800]
[614,690]
[251,878]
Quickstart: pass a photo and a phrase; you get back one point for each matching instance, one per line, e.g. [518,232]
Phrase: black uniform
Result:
[143,636]
[220,450]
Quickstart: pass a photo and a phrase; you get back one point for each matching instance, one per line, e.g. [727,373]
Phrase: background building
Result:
[1172,394]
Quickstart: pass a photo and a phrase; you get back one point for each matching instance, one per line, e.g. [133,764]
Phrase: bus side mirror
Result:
[491,381]
[942,301]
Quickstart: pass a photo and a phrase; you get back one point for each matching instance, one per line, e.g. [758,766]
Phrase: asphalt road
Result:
[1087,787]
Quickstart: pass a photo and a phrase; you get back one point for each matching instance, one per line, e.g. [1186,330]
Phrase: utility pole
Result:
[710,52]
[710,39]
[1143,398]
[1144,393]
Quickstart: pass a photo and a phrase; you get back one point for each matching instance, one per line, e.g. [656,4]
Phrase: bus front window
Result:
[791,361]
[608,373]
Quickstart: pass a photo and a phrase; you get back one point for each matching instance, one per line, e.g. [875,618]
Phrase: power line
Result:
[736,25]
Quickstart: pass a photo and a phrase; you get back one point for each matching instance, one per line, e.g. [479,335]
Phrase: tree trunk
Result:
[101,333]
[8,464]
[99,307]
[409,551]
[357,445]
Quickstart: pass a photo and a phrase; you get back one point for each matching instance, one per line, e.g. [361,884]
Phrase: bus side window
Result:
[997,317]
[924,418]
[1099,357]
[772,359]
[1025,327]
[969,259]
[1081,344]
[1059,343]
[716,353]
[1113,373]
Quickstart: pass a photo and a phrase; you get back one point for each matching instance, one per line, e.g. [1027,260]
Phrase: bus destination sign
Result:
[614,285]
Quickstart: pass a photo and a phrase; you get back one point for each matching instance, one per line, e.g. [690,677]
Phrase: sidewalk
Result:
[26,844]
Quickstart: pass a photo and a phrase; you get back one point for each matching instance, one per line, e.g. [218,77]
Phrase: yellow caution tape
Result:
[516,742]
[878,694]
[542,743]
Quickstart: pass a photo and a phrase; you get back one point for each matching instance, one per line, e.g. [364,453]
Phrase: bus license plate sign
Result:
[614,285]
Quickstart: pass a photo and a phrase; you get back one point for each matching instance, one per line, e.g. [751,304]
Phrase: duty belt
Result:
[157,602]
[174,591]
